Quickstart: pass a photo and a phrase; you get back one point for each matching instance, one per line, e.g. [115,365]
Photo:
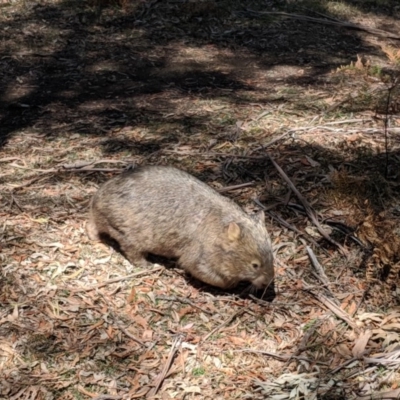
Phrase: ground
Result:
[288,106]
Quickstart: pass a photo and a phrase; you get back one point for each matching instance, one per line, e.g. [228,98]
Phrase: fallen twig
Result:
[227,322]
[185,301]
[110,281]
[282,357]
[28,183]
[213,154]
[334,308]
[390,395]
[82,164]
[286,224]
[273,141]
[310,212]
[320,273]
[318,267]
[390,359]
[77,167]
[7,159]
[234,187]
[161,376]
[365,292]
[107,397]
[326,22]
[130,335]
[14,201]
[45,171]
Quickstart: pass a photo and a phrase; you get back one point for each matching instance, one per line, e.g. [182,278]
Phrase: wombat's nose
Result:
[262,282]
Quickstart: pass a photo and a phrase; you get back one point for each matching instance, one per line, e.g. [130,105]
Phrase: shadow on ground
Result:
[68,67]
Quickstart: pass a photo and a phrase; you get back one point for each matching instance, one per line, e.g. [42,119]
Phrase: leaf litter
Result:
[78,321]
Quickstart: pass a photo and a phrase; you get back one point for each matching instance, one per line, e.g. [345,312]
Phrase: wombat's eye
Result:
[255,265]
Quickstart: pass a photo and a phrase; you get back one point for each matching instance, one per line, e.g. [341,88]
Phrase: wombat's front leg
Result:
[209,275]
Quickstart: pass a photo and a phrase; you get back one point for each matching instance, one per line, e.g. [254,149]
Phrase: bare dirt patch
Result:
[222,90]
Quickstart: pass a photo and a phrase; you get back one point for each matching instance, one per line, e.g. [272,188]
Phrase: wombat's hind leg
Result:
[92,231]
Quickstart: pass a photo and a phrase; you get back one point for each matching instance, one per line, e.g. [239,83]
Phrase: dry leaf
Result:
[361,343]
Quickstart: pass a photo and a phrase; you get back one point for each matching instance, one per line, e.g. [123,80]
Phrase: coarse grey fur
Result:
[167,212]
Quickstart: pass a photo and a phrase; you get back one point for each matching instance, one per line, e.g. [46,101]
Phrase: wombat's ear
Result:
[260,216]
[233,231]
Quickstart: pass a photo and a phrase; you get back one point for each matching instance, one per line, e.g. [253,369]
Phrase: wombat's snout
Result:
[263,281]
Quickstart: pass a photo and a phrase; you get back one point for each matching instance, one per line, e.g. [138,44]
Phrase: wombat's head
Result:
[248,252]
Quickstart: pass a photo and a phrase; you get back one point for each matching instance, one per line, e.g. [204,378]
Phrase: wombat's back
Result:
[165,187]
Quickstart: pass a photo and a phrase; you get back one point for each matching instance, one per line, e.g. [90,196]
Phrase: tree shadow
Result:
[69,69]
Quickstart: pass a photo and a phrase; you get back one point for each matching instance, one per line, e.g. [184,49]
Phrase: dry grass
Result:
[210,90]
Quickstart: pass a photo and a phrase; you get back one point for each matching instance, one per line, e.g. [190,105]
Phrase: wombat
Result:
[167,212]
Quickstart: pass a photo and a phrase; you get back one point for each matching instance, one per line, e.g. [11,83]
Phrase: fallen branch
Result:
[320,273]
[273,141]
[110,281]
[391,395]
[389,360]
[335,22]
[310,212]
[161,376]
[281,357]
[130,335]
[286,224]
[227,322]
[334,308]
[318,267]
[235,187]
[185,301]
[213,154]
[7,159]
[82,164]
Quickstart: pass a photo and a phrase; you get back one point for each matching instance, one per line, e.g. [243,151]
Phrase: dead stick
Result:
[320,273]
[282,357]
[87,169]
[14,201]
[130,335]
[227,322]
[234,187]
[286,224]
[391,395]
[33,180]
[334,308]
[110,281]
[167,366]
[7,159]
[214,154]
[328,22]
[46,171]
[45,174]
[82,164]
[318,267]
[271,142]
[307,207]
[185,301]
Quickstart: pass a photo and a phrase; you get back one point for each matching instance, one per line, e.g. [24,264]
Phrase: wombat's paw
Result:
[92,231]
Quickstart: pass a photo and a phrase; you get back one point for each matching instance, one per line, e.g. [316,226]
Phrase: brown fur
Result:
[165,211]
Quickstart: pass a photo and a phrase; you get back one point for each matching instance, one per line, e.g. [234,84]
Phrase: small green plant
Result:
[199,371]
[376,70]
[309,324]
